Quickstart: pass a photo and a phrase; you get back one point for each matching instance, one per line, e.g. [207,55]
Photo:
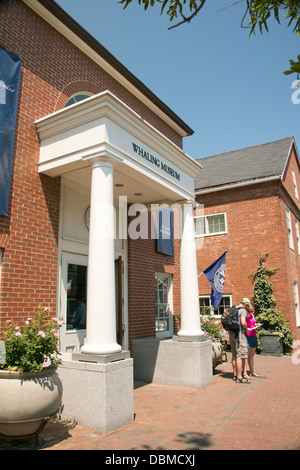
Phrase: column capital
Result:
[103,157]
[187,202]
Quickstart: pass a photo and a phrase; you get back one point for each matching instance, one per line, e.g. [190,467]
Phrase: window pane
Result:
[216,223]
[200,226]
[76,297]
[162,310]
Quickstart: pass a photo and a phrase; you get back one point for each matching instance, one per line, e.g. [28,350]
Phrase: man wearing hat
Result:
[238,343]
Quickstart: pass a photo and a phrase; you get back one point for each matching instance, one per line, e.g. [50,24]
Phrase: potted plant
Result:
[213,329]
[30,388]
[275,336]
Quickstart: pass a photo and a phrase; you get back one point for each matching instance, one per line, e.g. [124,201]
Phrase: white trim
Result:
[198,192]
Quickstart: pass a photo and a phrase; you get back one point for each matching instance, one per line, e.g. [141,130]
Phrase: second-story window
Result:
[212,224]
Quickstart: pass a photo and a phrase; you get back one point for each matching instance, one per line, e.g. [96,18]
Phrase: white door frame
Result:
[70,340]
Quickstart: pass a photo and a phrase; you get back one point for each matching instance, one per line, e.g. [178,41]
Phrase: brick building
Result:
[251,202]
[96,157]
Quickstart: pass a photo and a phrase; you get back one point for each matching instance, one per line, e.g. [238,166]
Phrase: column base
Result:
[101,358]
[183,363]
[101,348]
[186,338]
[97,396]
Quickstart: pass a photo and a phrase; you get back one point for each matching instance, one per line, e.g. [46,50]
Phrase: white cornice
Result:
[106,104]
[241,184]
[100,61]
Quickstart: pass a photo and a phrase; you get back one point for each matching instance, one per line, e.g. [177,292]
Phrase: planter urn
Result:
[217,351]
[272,345]
[28,399]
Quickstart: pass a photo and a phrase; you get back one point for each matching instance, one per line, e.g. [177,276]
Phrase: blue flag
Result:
[10,73]
[165,241]
[215,275]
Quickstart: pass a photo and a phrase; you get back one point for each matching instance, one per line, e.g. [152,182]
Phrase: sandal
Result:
[243,381]
[255,375]
[234,378]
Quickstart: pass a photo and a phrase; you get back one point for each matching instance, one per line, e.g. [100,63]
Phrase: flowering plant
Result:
[212,328]
[33,346]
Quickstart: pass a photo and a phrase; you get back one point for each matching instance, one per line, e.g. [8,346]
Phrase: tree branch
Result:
[189,18]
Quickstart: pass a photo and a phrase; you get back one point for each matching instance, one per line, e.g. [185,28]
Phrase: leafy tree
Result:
[272,319]
[259,13]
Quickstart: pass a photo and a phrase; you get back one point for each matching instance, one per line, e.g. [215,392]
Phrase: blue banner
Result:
[215,274]
[165,241]
[10,73]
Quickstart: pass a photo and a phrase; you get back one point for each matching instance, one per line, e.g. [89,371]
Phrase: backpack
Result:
[230,319]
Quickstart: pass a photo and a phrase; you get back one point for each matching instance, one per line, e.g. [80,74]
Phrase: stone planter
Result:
[27,401]
[271,345]
[217,351]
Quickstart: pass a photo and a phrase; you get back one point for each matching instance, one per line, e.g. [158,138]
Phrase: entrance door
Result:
[73,302]
[119,271]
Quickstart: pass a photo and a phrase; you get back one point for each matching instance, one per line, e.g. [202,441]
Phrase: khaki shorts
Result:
[238,345]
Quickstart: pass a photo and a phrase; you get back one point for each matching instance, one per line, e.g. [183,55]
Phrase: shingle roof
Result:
[251,163]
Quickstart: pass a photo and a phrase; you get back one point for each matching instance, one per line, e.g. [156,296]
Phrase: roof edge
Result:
[238,184]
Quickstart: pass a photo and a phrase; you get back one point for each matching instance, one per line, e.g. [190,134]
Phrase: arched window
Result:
[78,97]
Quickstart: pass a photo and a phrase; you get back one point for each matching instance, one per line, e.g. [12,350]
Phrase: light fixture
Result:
[119,185]
[138,194]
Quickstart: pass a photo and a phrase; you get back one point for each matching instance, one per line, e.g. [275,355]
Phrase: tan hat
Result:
[247,302]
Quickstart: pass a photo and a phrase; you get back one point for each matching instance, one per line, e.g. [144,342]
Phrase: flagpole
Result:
[224,253]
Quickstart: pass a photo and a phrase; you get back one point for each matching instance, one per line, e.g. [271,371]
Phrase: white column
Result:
[190,310]
[101,305]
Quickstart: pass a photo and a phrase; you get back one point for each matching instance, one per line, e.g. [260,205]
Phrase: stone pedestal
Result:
[184,363]
[97,395]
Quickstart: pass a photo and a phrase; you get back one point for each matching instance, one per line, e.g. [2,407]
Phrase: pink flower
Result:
[17,328]
[58,321]
[27,322]
[42,334]
[17,333]
[47,363]
[56,334]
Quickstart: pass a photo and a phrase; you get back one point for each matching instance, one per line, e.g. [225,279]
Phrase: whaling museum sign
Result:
[155,161]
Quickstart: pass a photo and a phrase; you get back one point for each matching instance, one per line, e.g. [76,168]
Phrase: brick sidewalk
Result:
[264,415]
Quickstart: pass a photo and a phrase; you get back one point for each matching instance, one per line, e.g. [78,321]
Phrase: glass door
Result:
[163,305]
[73,302]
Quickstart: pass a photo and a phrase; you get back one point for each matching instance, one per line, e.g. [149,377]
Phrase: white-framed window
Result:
[295,183]
[163,305]
[297,235]
[211,224]
[289,226]
[83,95]
[205,304]
[296,299]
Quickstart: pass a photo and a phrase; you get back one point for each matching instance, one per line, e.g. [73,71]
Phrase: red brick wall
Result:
[52,70]
[256,223]
[143,262]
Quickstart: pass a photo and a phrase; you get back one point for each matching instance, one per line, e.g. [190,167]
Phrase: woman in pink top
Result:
[252,342]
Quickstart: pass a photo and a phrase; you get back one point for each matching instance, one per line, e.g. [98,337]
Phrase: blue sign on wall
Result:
[10,73]
[165,241]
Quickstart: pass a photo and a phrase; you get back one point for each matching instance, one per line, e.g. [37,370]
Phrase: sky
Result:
[229,88]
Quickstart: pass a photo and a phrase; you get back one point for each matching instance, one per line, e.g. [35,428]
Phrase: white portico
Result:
[97,142]
[103,146]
